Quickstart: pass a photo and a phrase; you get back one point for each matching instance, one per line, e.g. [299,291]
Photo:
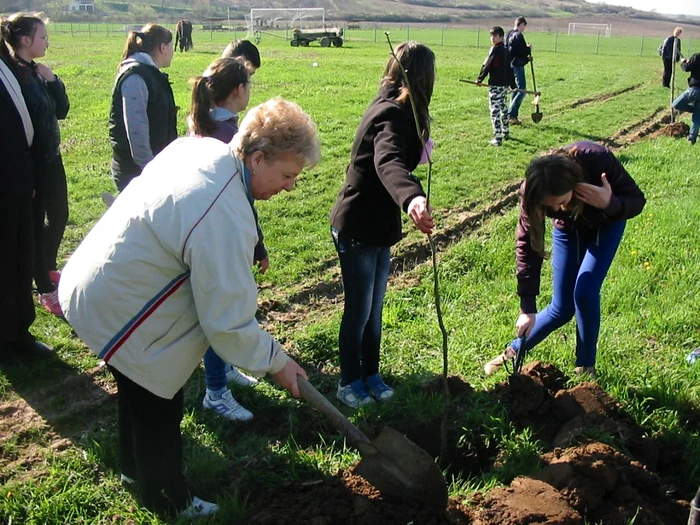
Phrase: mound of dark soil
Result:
[676,130]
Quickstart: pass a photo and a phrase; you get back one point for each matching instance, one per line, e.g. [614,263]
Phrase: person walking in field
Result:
[497,67]
[143,115]
[218,97]
[17,136]
[166,274]
[48,103]
[366,217]
[520,54]
[589,196]
[667,55]
[689,100]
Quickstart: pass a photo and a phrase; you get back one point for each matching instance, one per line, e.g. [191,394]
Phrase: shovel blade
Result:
[401,470]
[536,116]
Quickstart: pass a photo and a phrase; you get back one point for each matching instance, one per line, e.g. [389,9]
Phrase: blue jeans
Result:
[365,272]
[580,263]
[689,101]
[214,370]
[517,97]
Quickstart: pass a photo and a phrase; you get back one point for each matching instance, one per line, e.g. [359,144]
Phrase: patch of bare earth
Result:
[582,480]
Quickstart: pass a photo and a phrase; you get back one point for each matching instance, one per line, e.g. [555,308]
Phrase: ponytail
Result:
[201,123]
[147,40]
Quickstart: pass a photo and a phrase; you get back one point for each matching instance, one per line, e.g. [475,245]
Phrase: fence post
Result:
[477,38]
[442,39]
[408,33]
[641,49]
[375,34]
[211,30]
[71,29]
[89,33]
[597,45]
[556,41]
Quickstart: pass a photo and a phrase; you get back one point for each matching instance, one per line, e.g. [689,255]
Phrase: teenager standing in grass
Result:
[218,97]
[667,55]
[47,102]
[166,274]
[16,235]
[689,100]
[143,115]
[366,218]
[497,67]
[589,196]
[520,55]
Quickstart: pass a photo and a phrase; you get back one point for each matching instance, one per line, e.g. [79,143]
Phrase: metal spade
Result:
[536,116]
[391,462]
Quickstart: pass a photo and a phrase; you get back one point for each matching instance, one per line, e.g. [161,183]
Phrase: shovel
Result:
[396,466]
[536,116]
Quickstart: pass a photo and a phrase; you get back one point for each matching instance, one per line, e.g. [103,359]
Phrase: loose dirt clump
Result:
[677,130]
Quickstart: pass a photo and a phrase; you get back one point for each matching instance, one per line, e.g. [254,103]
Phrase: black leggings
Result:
[50,218]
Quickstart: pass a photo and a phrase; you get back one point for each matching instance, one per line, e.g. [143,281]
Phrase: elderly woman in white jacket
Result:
[166,273]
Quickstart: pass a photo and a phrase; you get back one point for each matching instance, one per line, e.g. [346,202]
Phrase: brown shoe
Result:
[514,121]
[496,363]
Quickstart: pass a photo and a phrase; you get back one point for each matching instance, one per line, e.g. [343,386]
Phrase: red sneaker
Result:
[55,276]
[50,303]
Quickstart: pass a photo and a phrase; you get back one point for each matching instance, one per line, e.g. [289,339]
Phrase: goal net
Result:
[578,28]
[282,19]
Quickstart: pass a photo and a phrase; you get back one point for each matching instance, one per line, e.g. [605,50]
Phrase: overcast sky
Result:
[670,7]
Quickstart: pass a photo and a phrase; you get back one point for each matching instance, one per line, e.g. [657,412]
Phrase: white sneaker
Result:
[199,509]
[496,363]
[233,375]
[227,407]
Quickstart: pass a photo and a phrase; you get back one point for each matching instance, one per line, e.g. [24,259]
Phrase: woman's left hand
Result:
[420,214]
[596,196]
[45,72]
[263,265]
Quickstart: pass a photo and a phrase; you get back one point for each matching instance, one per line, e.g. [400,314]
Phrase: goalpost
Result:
[578,28]
[270,19]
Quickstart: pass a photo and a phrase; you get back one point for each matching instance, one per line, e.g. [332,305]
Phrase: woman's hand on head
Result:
[596,196]
[419,213]
[45,72]
[525,324]
[287,377]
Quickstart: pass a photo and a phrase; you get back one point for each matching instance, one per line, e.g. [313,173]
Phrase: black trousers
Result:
[668,70]
[16,268]
[50,219]
[150,444]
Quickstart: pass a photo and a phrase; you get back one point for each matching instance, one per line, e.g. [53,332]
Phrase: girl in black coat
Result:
[366,218]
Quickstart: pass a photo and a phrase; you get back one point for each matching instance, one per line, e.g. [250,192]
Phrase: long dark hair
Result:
[223,76]
[12,29]
[147,40]
[550,175]
[418,61]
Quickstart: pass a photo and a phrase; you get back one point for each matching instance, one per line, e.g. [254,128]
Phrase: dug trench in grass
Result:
[214,183]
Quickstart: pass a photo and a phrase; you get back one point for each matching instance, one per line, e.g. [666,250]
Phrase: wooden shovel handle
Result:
[356,438]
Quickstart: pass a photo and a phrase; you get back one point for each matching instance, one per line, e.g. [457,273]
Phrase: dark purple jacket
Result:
[627,201]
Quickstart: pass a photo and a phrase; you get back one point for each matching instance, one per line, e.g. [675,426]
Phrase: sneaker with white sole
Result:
[233,375]
[354,394]
[378,389]
[227,407]
[496,363]
[50,303]
[199,509]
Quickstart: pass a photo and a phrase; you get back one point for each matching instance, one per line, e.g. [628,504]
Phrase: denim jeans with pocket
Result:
[518,96]
[689,101]
[365,272]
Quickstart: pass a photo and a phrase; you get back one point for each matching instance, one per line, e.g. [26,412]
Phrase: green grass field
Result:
[59,465]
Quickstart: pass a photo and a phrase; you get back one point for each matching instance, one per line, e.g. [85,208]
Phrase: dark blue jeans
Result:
[517,97]
[689,101]
[580,263]
[214,370]
[365,272]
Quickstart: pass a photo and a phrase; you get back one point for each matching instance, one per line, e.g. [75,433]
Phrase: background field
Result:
[57,435]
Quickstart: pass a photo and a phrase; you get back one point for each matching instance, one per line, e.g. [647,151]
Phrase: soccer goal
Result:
[578,28]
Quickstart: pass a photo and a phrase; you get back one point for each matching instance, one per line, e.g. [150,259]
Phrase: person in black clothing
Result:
[17,235]
[47,102]
[497,67]
[143,115]
[245,49]
[689,100]
[520,55]
[366,217]
[667,55]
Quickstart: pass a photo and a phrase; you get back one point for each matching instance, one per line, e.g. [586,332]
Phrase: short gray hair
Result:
[278,128]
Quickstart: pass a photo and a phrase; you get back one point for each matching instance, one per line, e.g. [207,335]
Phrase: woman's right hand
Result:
[525,324]
[287,377]
[419,213]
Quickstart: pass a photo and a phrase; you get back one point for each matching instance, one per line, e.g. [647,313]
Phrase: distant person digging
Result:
[690,98]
